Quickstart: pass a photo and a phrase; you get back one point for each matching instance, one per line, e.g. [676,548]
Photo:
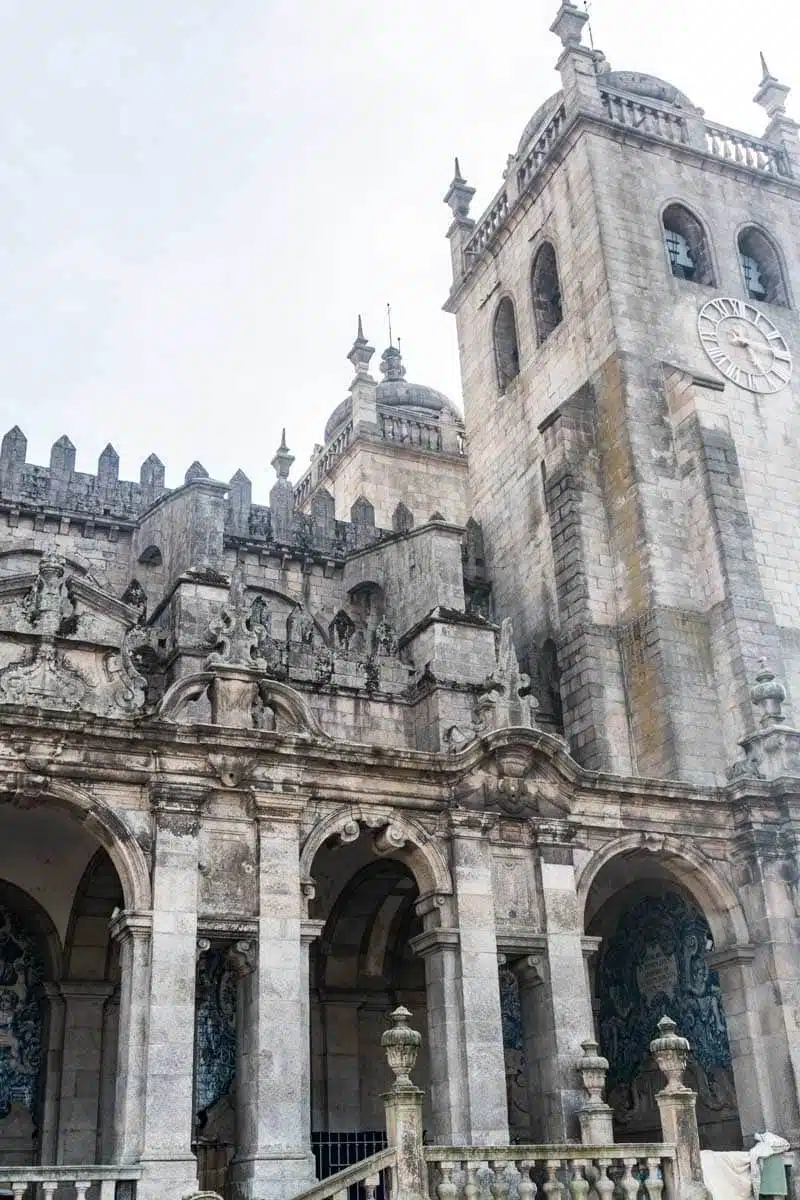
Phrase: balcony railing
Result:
[645,117]
[748,151]
[557,1172]
[69,1183]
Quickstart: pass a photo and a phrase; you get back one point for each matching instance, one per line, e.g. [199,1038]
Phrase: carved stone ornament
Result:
[58,671]
[231,634]
[592,1068]
[506,700]
[671,1052]
[401,1044]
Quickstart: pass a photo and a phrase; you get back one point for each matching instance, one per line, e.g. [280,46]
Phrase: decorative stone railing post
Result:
[596,1117]
[677,1105]
[404,1108]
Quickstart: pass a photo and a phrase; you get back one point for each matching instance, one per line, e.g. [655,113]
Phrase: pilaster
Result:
[79,1108]
[273,1158]
[169,1166]
[132,931]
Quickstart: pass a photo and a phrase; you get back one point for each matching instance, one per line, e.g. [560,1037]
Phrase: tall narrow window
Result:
[761,267]
[546,289]
[506,346]
[686,245]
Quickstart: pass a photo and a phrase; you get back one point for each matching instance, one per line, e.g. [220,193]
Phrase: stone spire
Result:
[282,462]
[459,196]
[281,496]
[392,367]
[578,63]
[771,94]
[361,353]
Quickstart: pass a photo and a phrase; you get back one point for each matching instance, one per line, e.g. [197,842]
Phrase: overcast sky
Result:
[199,196]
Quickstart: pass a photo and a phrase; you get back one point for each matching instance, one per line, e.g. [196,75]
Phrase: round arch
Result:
[690,868]
[102,823]
[396,835]
[38,921]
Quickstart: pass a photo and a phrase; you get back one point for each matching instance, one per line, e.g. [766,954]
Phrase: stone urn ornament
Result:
[593,1068]
[401,1044]
[671,1052]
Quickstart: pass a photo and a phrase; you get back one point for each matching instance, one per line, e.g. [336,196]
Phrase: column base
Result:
[278,1176]
[168,1179]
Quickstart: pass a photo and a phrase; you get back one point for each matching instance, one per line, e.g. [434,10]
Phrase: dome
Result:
[413,399]
[649,87]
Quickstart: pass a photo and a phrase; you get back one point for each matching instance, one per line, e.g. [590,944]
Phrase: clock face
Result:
[744,345]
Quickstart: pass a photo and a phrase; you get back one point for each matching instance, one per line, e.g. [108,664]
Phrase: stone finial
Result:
[459,196]
[282,462]
[592,1068]
[771,94]
[392,367]
[768,695]
[671,1052]
[196,471]
[568,25]
[508,702]
[401,1044]
[14,446]
[361,352]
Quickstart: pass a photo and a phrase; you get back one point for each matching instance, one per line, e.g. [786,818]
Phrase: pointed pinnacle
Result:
[765,69]
[458,177]
[360,335]
[283,445]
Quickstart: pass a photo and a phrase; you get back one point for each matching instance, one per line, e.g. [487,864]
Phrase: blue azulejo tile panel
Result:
[21,971]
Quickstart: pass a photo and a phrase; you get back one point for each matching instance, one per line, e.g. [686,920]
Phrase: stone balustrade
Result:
[408,431]
[67,1183]
[540,150]
[557,1172]
[645,116]
[369,1174]
[488,225]
[750,152]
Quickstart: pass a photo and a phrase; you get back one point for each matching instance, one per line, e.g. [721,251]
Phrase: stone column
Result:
[751,1070]
[485,1073]
[447,1041]
[169,1166]
[132,933]
[108,1072]
[80,1069]
[564,1008]
[53,1045]
[273,1153]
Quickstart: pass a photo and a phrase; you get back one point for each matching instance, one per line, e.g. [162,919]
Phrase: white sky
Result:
[198,196]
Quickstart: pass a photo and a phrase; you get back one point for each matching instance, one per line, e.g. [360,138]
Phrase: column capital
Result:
[731,956]
[471,825]
[435,939]
[130,924]
[77,989]
[590,946]
[243,956]
[310,931]
[178,805]
[279,807]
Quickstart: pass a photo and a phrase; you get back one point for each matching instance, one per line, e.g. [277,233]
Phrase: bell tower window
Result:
[761,267]
[546,289]
[686,245]
[506,345]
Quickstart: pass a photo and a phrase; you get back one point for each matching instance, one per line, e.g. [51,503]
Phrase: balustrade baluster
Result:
[500,1185]
[48,1188]
[447,1190]
[603,1185]
[471,1189]
[629,1182]
[18,1189]
[527,1188]
[654,1183]
[578,1185]
[81,1189]
[371,1185]
[553,1188]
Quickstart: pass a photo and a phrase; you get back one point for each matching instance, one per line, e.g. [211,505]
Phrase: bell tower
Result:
[628,329]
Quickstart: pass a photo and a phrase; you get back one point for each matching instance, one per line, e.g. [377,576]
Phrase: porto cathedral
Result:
[488,715]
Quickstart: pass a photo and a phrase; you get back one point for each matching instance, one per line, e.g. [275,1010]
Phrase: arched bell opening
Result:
[59,989]
[656,957]
[361,967]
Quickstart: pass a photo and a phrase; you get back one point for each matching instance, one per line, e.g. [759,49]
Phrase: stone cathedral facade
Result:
[487,715]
